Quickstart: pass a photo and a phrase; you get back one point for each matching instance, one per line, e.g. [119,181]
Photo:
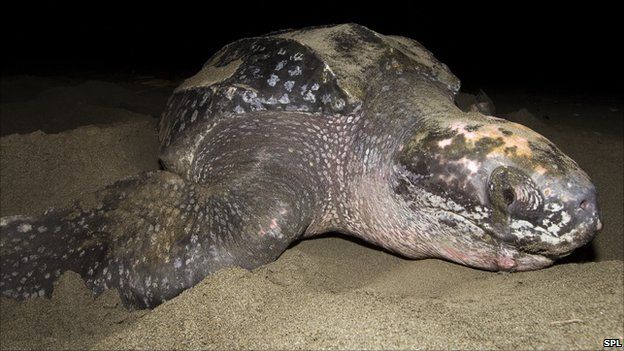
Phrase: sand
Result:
[328,292]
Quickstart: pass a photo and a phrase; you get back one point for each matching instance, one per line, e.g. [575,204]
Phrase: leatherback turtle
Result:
[303,132]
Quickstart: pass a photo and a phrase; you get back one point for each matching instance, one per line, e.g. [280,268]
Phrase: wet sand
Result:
[327,292]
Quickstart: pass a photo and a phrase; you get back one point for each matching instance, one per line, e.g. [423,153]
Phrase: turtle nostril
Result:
[584,205]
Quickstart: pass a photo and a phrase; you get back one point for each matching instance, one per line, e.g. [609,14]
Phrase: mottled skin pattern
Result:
[300,133]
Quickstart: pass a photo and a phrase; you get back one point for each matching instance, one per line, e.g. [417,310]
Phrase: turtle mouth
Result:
[499,253]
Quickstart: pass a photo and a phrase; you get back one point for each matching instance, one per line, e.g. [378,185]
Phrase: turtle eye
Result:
[528,202]
[512,192]
[509,196]
[500,188]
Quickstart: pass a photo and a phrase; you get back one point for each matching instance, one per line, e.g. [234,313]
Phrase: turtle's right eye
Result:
[514,193]
[500,191]
[509,196]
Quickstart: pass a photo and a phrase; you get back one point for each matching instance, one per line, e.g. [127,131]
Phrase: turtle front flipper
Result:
[151,236]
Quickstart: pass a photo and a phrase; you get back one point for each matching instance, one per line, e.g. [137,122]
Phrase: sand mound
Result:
[40,171]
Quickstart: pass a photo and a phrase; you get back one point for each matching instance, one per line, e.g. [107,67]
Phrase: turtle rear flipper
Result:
[151,236]
[35,251]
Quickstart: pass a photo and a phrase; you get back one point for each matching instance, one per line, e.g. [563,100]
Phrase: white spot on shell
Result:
[280,65]
[284,99]
[273,79]
[288,85]
[295,71]
[309,97]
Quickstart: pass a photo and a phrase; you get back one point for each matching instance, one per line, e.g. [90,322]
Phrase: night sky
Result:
[573,48]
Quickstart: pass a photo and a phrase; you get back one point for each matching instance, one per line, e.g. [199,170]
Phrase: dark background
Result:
[570,47]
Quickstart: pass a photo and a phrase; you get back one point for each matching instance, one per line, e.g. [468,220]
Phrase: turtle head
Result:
[502,196]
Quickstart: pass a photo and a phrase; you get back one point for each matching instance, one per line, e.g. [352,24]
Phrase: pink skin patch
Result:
[444,143]
[272,226]
[273,223]
[505,261]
